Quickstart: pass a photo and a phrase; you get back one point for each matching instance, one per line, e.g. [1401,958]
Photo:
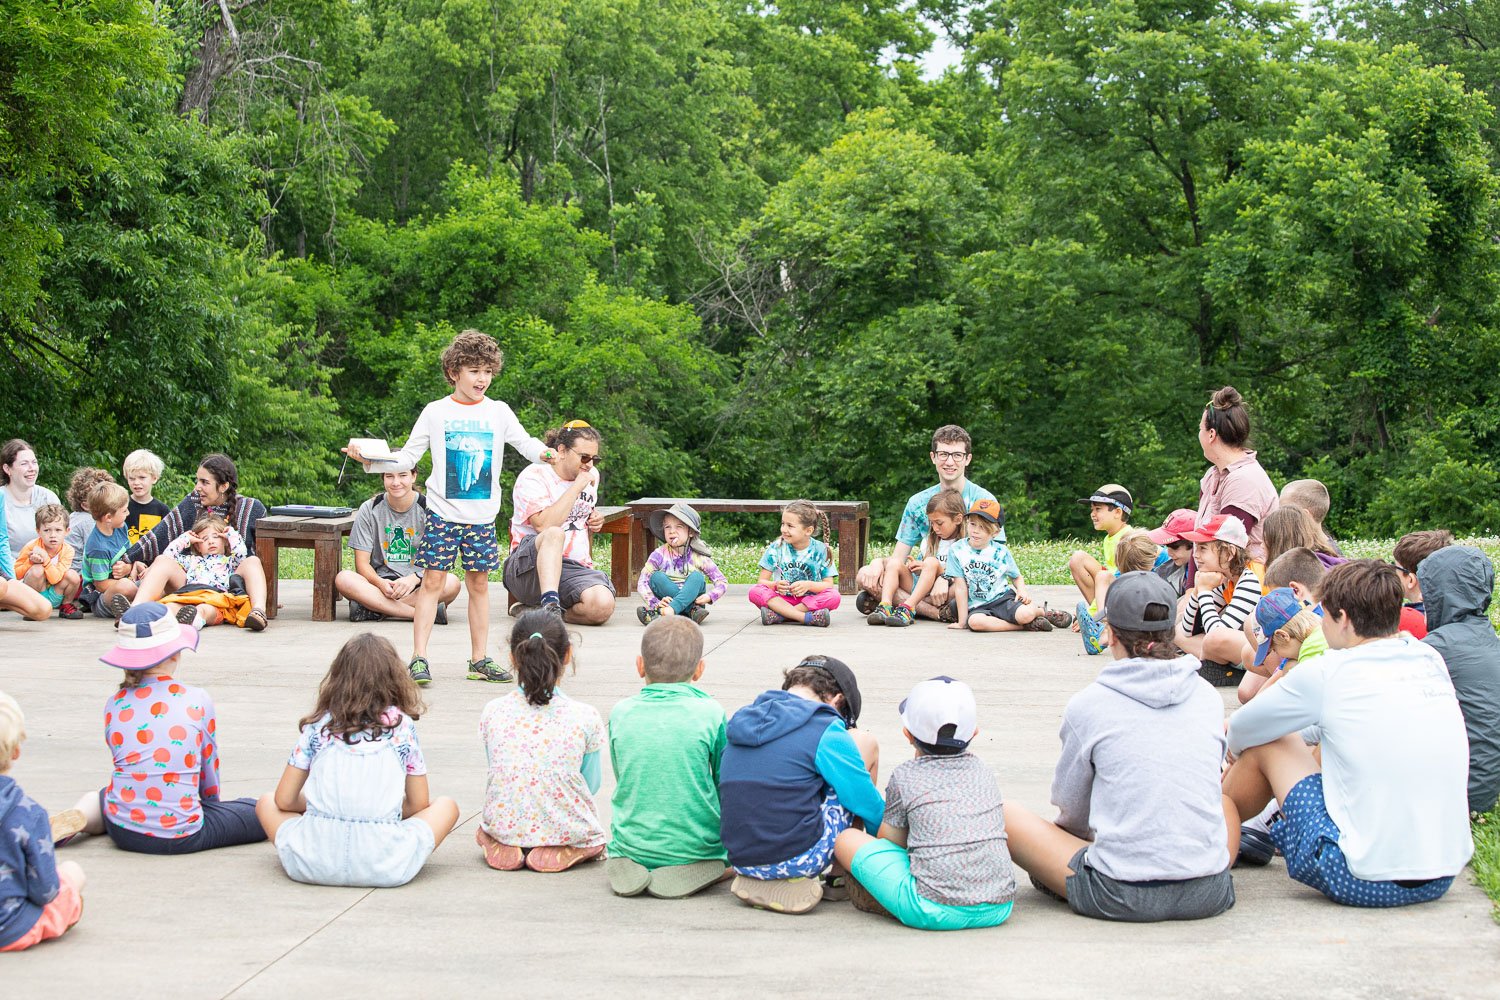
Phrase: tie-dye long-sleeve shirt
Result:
[677,569]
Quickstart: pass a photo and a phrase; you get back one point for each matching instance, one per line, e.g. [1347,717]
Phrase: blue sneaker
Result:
[1090,628]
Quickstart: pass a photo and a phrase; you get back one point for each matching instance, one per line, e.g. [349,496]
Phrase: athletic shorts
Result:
[1003,607]
[813,861]
[57,916]
[884,869]
[1091,893]
[520,577]
[1309,839]
[444,541]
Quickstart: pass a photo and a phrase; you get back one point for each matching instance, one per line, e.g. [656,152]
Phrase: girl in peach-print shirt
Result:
[163,796]
[1235,483]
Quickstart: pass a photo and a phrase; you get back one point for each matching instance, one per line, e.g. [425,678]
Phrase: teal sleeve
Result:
[839,762]
[593,771]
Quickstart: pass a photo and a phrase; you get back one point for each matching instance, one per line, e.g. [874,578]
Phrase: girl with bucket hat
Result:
[163,797]
[680,577]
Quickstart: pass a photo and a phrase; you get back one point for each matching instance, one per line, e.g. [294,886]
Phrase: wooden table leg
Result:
[265,551]
[619,561]
[848,532]
[325,568]
[640,547]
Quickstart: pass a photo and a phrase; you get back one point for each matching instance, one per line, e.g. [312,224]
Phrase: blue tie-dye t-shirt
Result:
[813,563]
[988,571]
[914,525]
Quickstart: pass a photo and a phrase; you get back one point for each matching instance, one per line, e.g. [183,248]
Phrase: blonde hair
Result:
[1303,624]
[1135,551]
[142,460]
[12,729]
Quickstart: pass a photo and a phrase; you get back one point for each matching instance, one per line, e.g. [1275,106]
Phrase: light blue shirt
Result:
[987,571]
[814,563]
[914,525]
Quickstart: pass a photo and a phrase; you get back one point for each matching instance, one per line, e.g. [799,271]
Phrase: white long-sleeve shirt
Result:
[467,442]
[1395,753]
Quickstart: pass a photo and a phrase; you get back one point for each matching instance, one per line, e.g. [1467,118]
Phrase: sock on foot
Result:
[550,597]
[807,617]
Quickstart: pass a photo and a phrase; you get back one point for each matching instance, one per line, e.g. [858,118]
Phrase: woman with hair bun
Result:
[1235,483]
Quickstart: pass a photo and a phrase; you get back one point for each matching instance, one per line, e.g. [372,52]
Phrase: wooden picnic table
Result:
[849,520]
[324,535]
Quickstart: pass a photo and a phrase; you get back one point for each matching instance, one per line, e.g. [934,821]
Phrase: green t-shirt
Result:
[665,745]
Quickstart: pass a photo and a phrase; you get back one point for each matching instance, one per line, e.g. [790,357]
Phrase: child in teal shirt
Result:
[665,744]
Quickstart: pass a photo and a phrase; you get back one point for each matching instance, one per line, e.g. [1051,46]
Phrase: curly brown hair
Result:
[366,679]
[471,349]
[82,484]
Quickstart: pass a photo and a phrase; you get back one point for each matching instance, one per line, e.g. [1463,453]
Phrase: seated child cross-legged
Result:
[665,745]
[45,563]
[797,580]
[1225,591]
[163,797]
[352,807]
[988,592]
[1143,832]
[795,775]
[680,577]
[1390,825]
[1110,507]
[905,587]
[106,574]
[40,897]
[542,749]
[940,861]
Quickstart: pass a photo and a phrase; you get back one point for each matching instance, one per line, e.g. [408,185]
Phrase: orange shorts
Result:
[57,916]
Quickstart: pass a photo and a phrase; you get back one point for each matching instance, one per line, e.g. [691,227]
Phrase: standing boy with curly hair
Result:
[467,432]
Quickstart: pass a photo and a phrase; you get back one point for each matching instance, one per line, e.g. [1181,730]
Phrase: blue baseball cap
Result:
[1272,613]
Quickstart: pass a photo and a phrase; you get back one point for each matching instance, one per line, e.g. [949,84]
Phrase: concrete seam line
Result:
[308,937]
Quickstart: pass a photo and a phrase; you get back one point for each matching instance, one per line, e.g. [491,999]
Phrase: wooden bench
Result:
[617,526]
[324,535]
[849,520]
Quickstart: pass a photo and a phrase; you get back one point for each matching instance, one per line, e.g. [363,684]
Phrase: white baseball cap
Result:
[936,703]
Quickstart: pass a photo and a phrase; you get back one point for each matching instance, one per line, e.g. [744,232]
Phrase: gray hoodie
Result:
[1139,771]
[1456,585]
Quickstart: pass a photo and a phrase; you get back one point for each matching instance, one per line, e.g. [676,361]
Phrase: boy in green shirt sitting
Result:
[665,744]
[1109,509]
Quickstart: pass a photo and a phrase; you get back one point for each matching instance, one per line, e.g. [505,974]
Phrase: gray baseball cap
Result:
[1132,594]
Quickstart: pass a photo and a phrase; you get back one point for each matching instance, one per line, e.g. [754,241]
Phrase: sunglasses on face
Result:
[584,458]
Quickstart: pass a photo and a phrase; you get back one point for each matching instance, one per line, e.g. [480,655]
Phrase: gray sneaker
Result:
[441,618]
[488,670]
[698,613]
[359,613]
[421,672]
[646,615]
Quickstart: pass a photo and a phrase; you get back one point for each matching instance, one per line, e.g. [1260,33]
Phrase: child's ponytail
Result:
[539,648]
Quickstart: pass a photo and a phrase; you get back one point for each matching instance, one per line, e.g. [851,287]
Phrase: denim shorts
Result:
[884,869]
[442,542]
[1309,839]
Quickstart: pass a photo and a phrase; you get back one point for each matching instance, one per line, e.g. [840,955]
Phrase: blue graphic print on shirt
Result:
[470,447]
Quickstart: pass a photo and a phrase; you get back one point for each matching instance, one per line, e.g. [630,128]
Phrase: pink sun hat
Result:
[146,635]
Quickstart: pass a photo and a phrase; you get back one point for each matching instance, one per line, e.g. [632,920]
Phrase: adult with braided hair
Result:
[216,490]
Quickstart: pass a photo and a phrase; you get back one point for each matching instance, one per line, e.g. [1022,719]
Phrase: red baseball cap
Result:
[1178,524]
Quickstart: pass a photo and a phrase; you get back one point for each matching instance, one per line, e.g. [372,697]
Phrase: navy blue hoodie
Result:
[783,755]
[28,868]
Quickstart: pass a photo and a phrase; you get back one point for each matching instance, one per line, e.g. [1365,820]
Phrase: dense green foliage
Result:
[758,248]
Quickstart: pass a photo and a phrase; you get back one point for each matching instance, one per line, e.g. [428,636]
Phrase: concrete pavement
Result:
[229,923]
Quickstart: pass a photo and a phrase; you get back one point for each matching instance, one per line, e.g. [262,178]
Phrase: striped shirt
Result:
[247,510]
[1206,612]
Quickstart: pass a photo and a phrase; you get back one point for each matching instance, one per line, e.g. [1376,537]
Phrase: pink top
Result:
[1245,486]
[166,757]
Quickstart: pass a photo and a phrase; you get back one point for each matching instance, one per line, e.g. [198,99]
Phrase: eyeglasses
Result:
[584,458]
[950,456]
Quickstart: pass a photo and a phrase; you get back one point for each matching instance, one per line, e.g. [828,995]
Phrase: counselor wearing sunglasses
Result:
[555,519]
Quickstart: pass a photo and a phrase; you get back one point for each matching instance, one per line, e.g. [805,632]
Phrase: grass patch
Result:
[1486,863]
